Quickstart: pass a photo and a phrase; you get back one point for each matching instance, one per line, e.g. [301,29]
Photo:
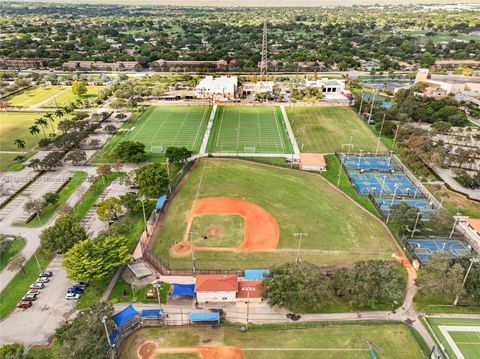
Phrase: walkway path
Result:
[203,147]
[291,135]
[48,100]
[448,176]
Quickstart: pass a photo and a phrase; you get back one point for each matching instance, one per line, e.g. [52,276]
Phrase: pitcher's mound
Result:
[215,230]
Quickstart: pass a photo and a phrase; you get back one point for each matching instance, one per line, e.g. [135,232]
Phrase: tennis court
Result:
[160,127]
[381,184]
[249,129]
[368,163]
[424,247]
[424,205]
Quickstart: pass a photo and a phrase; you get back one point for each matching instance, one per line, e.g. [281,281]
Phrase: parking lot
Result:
[36,324]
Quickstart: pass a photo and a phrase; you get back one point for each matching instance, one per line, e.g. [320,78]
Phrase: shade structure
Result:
[113,337]
[183,290]
[204,317]
[161,202]
[151,313]
[124,316]
[256,274]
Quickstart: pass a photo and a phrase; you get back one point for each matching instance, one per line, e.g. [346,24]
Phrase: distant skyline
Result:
[255,3]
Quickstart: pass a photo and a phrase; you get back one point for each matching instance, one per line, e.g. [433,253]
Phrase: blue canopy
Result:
[161,201]
[183,290]
[152,313]
[113,337]
[256,274]
[124,316]
[204,317]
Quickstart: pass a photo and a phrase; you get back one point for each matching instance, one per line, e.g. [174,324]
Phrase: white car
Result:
[43,280]
[73,296]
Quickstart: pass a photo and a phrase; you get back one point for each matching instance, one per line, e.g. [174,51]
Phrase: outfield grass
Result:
[68,97]
[35,95]
[230,231]
[14,125]
[258,129]
[314,340]
[339,231]
[15,247]
[326,129]
[467,342]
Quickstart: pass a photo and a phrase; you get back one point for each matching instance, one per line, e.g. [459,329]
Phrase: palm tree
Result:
[59,113]
[68,109]
[34,130]
[49,117]
[19,143]
[42,123]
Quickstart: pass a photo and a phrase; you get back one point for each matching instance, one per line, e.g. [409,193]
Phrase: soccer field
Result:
[161,127]
[325,129]
[249,129]
[458,335]
[338,230]
[345,341]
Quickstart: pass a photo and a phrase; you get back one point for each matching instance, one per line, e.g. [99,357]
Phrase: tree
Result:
[130,151]
[152,179]
[17,262]
[63,234]
[110,128]
[51,197]
[427,60]
[19,143]
[96,259]
[299,287]
[405,217]
[109,209]
[441,220]
[34,130]
[49,117]
[43,124]
[12,351]
[79,88]
[34,205]
[177,155]
[52,160]
[84,337]
[103,170]
[77,157]
[5,243]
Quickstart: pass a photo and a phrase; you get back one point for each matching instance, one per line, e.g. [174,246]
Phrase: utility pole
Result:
[395,138]
[167,163]
[371,107]
[361,104]
[264,60]
[415,226]
[472,260]
[380,135]
[157,285]
[142,199]
[104,321]
[191,251]
[453,228]
[300,236]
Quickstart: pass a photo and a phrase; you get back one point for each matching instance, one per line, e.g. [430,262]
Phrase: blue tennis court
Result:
[424,247]
[425,207]
[368,163]
[381,184]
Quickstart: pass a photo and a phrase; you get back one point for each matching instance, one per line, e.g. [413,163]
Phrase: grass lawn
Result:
[14,125]
[439,37]
[454,201]
[6,159]
[339,231]
[19,285]
[326,129]
[468,342]
[456,309]
[15,247]
[64,194]
[35,95]
[68,97]
[257,129]
[312,340]
[221,231]
[140,293]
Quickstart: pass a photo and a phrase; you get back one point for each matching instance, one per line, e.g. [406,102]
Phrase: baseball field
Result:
[347,341]
[249,129]
[275,205]
[326,129]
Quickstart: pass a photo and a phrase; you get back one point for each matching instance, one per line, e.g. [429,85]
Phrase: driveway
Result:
[34,326]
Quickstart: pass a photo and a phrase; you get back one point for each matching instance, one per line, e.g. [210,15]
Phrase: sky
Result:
[276,3]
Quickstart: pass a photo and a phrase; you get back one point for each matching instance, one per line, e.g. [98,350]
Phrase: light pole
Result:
[391,204]
[359,158]
[383,185]
[167,163]
[415,226]
[361,104]
[453,228]
[371,107]
[104,321]
[142,199]
[300,236]
[340,170]
[380,135]
[395,137]
[157,286]
[472,260]
[191,251]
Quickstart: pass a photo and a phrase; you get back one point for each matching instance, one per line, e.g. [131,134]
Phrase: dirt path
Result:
[149,350]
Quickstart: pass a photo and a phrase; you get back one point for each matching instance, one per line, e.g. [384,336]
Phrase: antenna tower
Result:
[264,62]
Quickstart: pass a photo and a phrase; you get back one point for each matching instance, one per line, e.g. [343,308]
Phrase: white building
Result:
[264,86]
[327,86]
[217,88]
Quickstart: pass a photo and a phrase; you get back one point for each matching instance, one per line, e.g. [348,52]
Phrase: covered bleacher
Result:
[183,290]
[161,202]
[202,317]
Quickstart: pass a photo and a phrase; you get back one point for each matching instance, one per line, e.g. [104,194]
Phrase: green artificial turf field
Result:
[68,97]
[258,129]
[163,126]
[468,341]
[35,95]
[325,129]
[339,231]
[345,341]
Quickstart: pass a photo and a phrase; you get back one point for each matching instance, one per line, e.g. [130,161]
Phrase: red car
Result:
[24,304]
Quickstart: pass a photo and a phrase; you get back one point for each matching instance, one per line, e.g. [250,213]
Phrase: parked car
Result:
[75,290]
[43,280]
[81,285]
[24,305]
[29,297]
[46,274]
[37,285]
[34,291]
[72,296]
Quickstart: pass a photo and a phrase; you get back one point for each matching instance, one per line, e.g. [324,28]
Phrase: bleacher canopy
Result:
[183,290]
[161,202]
[204,317]
[113,337]
[124,316]
[152,313]
[256,274]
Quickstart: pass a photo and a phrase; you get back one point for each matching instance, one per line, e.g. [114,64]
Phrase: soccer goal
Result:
[156,149]
[249,149]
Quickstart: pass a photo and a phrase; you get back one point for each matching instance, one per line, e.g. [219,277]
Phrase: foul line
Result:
[445,329]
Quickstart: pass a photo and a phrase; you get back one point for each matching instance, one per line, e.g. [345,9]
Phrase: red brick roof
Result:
[250,289]
[216,283]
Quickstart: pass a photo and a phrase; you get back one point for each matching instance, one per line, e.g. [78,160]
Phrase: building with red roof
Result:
[216,287]
[250,290]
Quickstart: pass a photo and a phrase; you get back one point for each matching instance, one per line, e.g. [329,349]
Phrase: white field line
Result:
[305,349]
[198,129]
[278,128]
[160,127]
[445,329]
[179,129]
[208,130]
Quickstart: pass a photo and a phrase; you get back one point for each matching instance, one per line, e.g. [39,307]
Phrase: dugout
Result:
[204,318]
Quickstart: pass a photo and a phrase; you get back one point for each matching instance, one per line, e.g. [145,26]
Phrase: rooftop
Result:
[250,289]
[216,283]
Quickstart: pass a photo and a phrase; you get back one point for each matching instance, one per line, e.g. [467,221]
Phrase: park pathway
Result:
[48,100]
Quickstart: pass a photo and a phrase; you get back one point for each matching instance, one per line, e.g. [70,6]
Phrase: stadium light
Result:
[104,321]
[472,260]
[157,285]
[142,199]
[453,228]
[416,223]
[361,104]
[191,250]
[300,236]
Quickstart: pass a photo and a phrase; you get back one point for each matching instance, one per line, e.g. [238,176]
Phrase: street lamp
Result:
[157,286]
[142,199]
[300,236]
[104,321]
[472,260]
